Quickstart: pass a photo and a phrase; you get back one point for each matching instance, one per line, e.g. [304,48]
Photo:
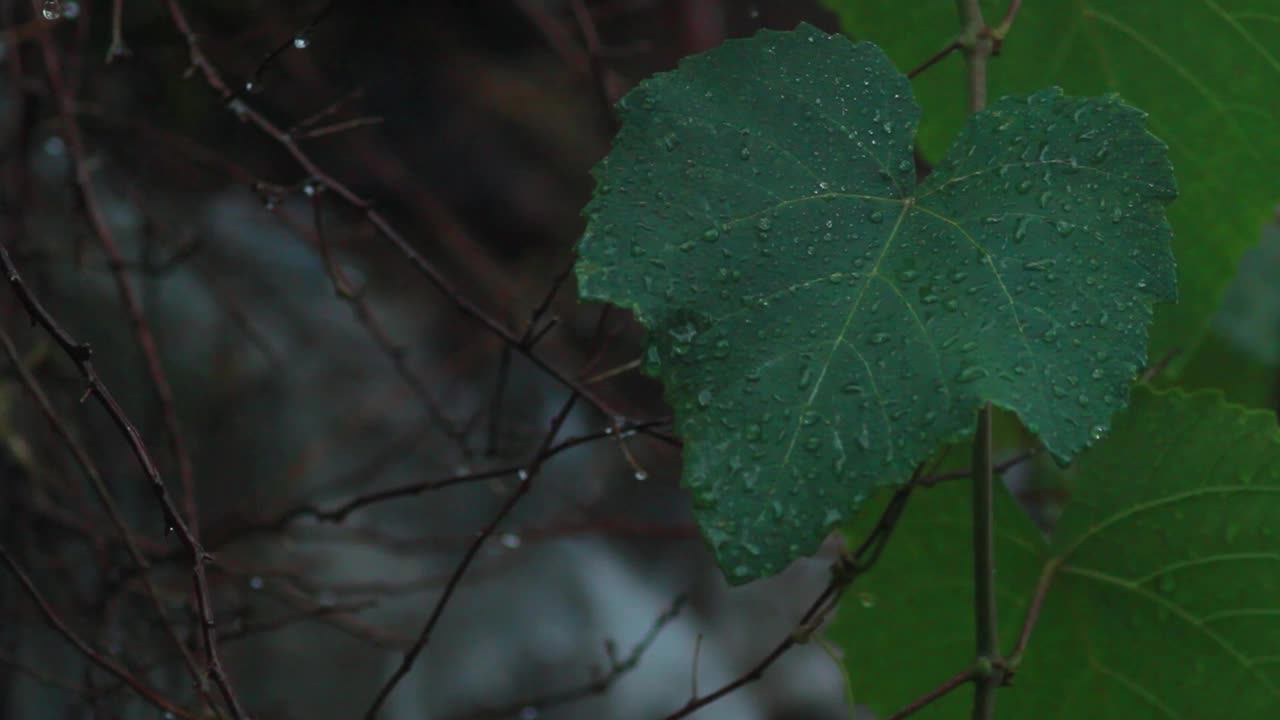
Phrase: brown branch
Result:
[1033,614]
[597,686]
[246,113]
[935,59]
[339,513]
[189,528]
[374,326]
[595,61]
[143,335]
[1001,467]
[588,62]
[90,470]
[117,49]
[81,354]
[146,692]
[934,695]
[844,572]
[527,477]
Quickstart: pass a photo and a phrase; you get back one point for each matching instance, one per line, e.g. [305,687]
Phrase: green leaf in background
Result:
[1205,70]
[1165,604]
[820,323]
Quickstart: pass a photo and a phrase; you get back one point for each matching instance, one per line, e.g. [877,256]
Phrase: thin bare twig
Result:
[1033,614]
[527,476]
[920,703]
[935,59]
[373,325]
[844,572]
[246,113]
[597,686]
[299,40]
[90,470]
[81,355]
[117,49]
[146,692]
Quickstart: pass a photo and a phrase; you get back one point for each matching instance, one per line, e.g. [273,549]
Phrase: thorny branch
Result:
[81,354]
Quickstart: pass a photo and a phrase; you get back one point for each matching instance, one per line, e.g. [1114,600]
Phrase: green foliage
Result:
[821,323]
[1163,603]
[1206,72]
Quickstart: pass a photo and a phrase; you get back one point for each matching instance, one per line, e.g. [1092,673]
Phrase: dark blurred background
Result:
[265,229]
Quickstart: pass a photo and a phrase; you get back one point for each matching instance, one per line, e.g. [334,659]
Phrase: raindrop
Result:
[876,216]
[1020,233]
[806,378]
[522,474]
[301,42]
[641,475]
[971,373]
[864,438]
[510,541]
[256,582]
[867,600]
[51,10]
[54,146]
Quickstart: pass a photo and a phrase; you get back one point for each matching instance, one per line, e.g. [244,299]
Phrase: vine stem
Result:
[988,674]
[987,677]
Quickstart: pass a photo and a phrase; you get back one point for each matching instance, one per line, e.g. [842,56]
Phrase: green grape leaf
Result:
[1163,592]
[1205,70]
[820,322]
